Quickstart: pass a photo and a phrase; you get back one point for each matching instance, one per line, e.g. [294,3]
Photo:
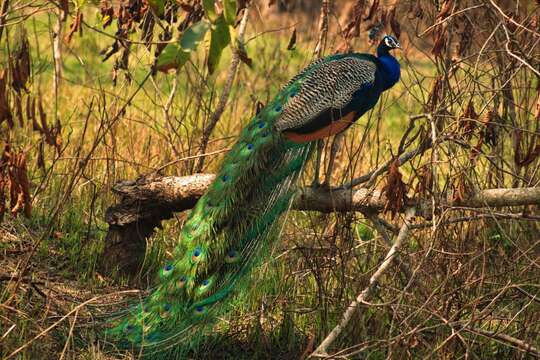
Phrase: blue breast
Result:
[390,71]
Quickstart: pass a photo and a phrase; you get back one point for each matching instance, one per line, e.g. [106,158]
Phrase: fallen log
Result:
[146,202]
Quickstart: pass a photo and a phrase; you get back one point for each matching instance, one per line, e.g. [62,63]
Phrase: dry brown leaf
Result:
[466,37]
[44,127]
[425,181]
[3,180]
[476,151]
[439,44]
[75,27]
[352,29]
[372,10]
[445,9]
[64,6]
[468,120]
[490,122]
[394,24]
[41,156]
[461,189]
[434,95]
[31,113]
[18,106]
[533,150]
[5,112]
[395,190]
[107,13]
[20,62]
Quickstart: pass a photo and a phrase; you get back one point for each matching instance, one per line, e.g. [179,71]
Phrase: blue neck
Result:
[390,68]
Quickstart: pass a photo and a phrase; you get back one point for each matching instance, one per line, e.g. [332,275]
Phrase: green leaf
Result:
[194,35]
[174,56]
[210,10]
[221,38]
[229,10]
[158,6]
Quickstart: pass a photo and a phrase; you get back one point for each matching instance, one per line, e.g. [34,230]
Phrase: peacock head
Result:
[388,43]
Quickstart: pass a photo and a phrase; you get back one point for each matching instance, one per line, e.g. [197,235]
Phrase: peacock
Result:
[232,226]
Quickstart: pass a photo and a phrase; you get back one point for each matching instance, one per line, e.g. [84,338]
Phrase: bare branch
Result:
[366,293]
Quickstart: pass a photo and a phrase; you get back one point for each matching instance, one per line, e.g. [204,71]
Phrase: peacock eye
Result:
[205,282]
[250,146]
[199,309]
[182,281]
[196,254]
[261,125]
[168,267]
[231,256]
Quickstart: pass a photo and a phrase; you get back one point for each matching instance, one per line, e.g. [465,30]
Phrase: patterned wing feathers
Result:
[329,85]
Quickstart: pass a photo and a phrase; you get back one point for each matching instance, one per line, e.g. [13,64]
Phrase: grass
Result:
[322,262]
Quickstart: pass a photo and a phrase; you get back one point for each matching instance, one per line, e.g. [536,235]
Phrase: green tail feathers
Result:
[224,236]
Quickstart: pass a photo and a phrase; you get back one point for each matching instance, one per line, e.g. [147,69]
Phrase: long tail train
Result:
[225,234]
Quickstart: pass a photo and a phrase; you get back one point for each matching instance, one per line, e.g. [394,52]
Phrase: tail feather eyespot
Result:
[199,310]
[232,256]
[182,281]
[196,255]
[129,328]
[166,311]
[167,269]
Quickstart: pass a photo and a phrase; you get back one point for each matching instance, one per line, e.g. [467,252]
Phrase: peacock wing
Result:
[323,87]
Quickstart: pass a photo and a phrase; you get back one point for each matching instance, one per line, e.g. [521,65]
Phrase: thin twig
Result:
[3,15]
[370,176]
[518,343]
[512,20]
[523,61]
[323,29]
